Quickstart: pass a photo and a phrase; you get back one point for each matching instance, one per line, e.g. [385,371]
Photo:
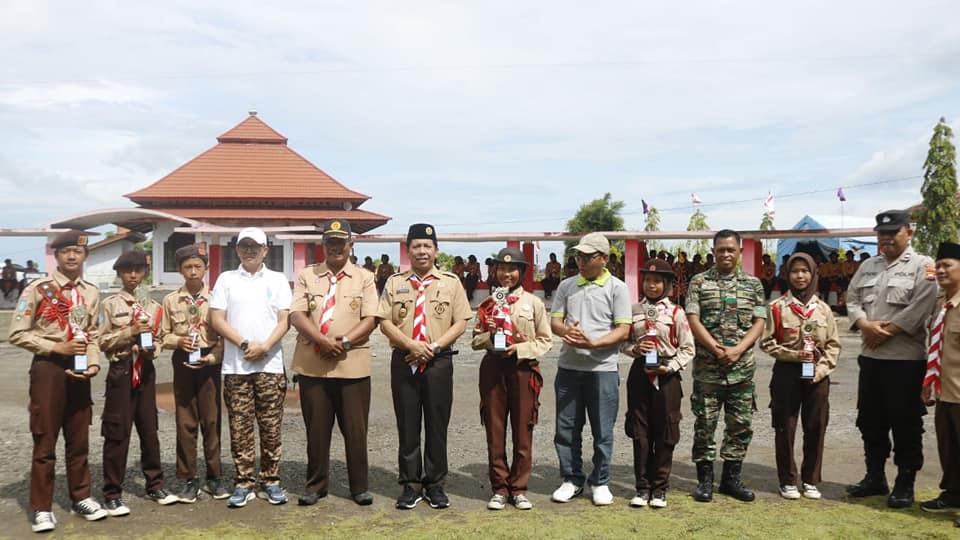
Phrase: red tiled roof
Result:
[360,220]
[250,162]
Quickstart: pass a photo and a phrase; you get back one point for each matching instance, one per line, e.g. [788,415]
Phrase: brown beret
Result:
[191,251]
[70,238]
[132,259]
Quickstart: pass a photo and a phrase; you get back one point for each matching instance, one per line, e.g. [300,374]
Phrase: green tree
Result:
[653,224]
[444,261]
[939,216]
[766,224]
[597,215]
[698,222]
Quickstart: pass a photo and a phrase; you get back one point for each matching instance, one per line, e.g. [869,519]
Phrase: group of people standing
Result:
[233,334]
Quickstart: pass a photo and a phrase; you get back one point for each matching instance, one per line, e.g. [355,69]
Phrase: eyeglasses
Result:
[252,248]
[587,257]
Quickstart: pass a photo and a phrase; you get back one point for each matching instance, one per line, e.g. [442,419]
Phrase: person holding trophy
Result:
[55,319]
[801,335]
[662,343]
[129,333]
[513,327]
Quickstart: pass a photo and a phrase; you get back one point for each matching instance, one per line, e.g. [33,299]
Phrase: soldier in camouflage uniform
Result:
[726,311]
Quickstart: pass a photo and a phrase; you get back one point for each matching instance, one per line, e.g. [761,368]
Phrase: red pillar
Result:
[404,258]
[50,259]
[633,256]
[528,282]
[752,256]
[299,256]
[318,256]
[214,269]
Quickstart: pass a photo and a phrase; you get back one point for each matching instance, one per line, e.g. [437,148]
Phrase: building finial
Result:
[253,113]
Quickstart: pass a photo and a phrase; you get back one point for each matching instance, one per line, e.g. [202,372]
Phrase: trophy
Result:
[194,358]
[194,311]
[144,339]
[808,369]
[499,337]
[78,315]
[652,360]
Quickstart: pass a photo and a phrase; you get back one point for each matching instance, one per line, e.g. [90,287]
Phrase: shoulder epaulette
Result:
[450,274]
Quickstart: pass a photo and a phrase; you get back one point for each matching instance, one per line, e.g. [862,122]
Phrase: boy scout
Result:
[726,311]
[56,321]
[422,312]
[197,354]
[131,393]
[889,300]
[334,307]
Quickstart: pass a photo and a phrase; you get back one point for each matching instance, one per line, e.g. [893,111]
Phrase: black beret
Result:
[132,259]
[190,252]
[70,238]
[948,250]
[421,231]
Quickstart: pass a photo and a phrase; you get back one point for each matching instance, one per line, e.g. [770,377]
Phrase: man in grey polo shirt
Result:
[591,314]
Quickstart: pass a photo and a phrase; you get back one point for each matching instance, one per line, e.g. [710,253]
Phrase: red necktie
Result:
[935,352]
[419,318]
[328,304]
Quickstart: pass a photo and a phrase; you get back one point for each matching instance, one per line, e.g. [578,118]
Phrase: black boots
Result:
[874,483]
[704,491]
[731,483]
[902,495]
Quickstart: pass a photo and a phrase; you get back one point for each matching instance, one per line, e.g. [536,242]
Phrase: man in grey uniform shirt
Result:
[889,300]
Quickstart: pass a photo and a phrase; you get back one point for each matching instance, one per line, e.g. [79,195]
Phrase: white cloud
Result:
[41,96]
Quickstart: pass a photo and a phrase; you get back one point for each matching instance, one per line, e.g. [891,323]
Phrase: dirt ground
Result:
[467,483]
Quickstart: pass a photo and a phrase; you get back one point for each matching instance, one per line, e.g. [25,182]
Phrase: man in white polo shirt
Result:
[250,308]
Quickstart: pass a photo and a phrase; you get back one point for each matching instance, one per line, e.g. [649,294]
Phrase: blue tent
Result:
[826,246]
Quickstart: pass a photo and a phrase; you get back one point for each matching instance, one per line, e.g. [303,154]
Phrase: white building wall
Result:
[99,266]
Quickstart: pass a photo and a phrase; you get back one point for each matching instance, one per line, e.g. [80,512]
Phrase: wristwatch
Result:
[244,345]
[346,343]
[436,347]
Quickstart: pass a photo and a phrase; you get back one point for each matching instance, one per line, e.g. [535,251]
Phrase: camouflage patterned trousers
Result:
[738,402]
[259,397]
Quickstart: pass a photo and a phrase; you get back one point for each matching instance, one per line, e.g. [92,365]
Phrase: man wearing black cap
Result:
[422,312]
[129,324]
[56,321]
[333,309]
[889,300]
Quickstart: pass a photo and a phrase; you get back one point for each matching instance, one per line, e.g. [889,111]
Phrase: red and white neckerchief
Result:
[504,312]
[804,312]
[935,353]
[75,329]
[329,302]
[196,323]
[419,317]
[138,313]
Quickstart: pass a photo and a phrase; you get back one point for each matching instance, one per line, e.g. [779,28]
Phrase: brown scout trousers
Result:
[426,396]
[323,400]
[58,402]
[791,397]
[947,422]
[653,422]
[123,407]
[505,390]
[196,393]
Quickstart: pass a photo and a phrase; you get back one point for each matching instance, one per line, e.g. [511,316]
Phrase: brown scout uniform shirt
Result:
[445,303]
[821,325]
[116,334]
[528,318]
[31,330]
[178,321]
[950,360]
[356,298]
[667,325]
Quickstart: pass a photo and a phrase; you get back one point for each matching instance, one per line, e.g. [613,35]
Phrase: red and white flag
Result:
[768,205]
[695,199]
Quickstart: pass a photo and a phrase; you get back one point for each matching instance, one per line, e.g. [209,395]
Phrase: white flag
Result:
[695,199]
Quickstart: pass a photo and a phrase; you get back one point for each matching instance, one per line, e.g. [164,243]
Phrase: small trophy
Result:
[808,369]
[78,315]
[144,339]
[652,360]
[194,358]
[499,337]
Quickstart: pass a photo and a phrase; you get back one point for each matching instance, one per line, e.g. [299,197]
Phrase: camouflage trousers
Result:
[256,397]
[738,402]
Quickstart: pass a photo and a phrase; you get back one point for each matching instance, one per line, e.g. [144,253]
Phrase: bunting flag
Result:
[695,199]
[646,209]
[768,205]
[840,195]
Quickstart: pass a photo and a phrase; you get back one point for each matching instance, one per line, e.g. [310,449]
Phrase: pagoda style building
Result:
[250,178]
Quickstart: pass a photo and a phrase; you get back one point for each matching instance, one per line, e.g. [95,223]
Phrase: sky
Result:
[484,116]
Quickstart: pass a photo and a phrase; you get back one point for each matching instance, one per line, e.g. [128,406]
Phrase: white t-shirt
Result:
[252,303]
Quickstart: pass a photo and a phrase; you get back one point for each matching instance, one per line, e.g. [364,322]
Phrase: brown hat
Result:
[70,238]
[658,266]
[192,251]
[511,255]
[132,259]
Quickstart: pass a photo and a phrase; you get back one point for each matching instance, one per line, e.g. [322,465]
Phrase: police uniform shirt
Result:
[950,360]
[674,337]
[528,317]
[903,292]
[445,302]
[356,298]
[786,343]
[117,336]
[182,313]
[38,322]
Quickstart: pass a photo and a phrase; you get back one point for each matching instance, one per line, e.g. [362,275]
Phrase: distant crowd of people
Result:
[10,281]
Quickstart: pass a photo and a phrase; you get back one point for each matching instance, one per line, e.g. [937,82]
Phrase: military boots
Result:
[731,483]
[902,495]
[874,483]
[704,491]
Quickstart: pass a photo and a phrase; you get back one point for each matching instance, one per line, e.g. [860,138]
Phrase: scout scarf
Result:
[328,304]
[138,313]
[419,318]
[936,350]
[806,294]
[193,310]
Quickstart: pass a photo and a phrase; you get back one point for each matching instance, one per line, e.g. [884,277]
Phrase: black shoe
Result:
[437,498]
[161,497]
[902,494]
[216,489]
[189,492]
[116,507]
[938,505]
[310,499]
[409,498]
[704,491]
[731,483]
[363,499]
[873,483]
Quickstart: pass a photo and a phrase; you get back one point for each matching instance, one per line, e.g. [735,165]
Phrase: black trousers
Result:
[888,401]
[425,396]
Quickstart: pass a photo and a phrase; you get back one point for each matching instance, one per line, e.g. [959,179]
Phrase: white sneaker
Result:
[521,502]
[565,492]
[658,499]
[810,491]
[639,500]
[789,492]
[497,502]
[43,522]
[602,495]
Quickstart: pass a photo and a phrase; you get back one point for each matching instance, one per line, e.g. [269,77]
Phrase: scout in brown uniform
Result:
[510,379]
[660,329]
[129,324]
[56,321]
[334,307]
[801,335]
[422,312]
[197,354]
[941,384]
